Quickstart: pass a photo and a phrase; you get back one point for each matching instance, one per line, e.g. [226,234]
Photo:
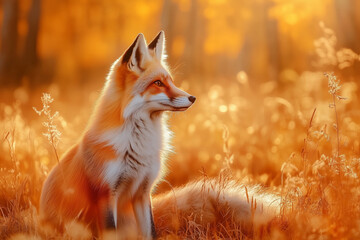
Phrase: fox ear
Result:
[136,55]
[158,44]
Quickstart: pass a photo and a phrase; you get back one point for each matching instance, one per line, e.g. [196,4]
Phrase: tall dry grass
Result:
[298,137]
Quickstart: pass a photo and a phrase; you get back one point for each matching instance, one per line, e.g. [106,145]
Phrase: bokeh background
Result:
[70,42]
[255,66]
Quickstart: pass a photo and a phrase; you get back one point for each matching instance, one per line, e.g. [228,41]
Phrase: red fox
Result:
[112,169]
[105,180]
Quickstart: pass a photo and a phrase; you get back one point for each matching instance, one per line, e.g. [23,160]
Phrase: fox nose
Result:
[192,99]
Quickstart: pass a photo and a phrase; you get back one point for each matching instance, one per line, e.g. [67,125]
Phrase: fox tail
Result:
[211,202]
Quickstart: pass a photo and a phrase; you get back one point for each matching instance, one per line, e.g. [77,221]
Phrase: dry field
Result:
[298,138]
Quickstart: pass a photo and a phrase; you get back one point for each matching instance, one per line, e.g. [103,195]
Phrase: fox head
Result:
[142,77]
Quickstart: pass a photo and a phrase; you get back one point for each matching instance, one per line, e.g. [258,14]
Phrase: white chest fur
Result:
[138,144]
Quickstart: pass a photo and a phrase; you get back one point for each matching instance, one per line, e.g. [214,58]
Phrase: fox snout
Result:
[192,99]
[175,99]
[179,103]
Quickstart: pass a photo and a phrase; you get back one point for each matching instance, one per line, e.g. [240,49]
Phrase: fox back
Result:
[106,178]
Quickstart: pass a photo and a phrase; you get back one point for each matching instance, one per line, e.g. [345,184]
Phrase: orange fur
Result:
[74,191]
[106,179]
[107,114]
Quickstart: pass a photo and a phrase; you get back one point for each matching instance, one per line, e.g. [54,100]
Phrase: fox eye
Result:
[158,83]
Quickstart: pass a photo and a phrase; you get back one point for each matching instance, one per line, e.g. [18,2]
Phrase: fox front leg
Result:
[144,216]
[110,214]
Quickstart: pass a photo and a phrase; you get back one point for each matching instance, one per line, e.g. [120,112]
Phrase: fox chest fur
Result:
[137,145]
[136,161]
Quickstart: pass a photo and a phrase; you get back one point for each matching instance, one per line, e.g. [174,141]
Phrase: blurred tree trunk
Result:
[194,51]
[254,53]
[167,22]
[30,57]
[349,27]
[191,30]
[9,40]
[274,59]
[14,64]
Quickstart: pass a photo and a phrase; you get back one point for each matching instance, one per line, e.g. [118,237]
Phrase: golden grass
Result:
[298,137]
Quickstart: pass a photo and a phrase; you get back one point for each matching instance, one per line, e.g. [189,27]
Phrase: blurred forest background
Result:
[263,106]
[255,65]
[73,42]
